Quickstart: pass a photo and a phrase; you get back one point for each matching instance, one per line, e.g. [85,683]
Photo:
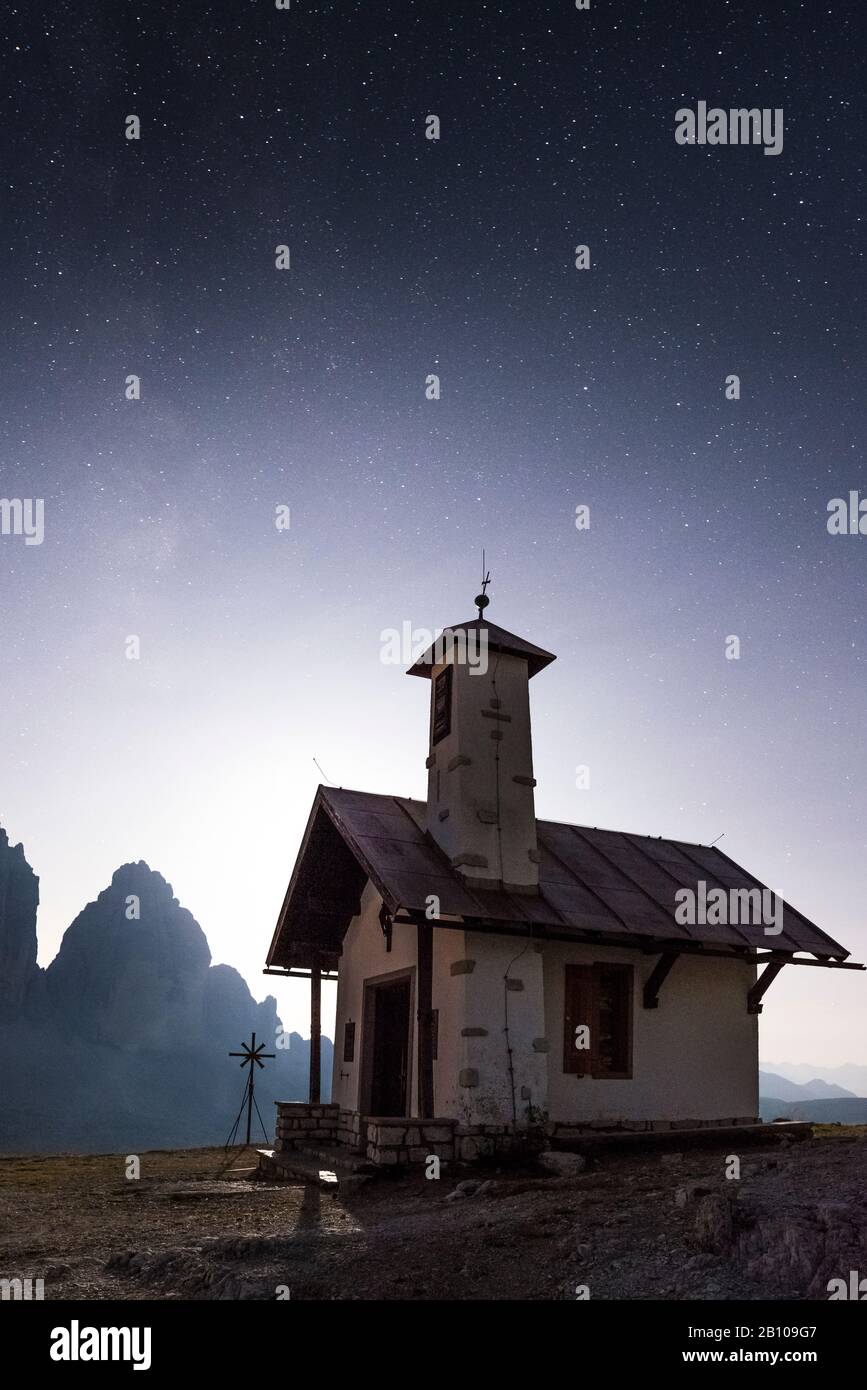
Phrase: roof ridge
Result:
[542,820]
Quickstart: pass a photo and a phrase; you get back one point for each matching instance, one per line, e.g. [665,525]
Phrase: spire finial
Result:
[482,599]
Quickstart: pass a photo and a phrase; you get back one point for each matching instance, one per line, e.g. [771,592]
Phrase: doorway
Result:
[387,1033]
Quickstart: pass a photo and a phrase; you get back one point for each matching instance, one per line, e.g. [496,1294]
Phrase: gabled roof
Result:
[593,885]
[496,639]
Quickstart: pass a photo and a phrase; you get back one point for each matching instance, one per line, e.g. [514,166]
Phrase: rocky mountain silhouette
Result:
[19,899]
[122,1042]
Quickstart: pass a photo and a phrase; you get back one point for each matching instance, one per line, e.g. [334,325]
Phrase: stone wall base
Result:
[403,1141]
[400,1141]
[481,1142]
[575,1129]
[352,1130]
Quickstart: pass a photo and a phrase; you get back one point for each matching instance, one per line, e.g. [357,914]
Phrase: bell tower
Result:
[480,805]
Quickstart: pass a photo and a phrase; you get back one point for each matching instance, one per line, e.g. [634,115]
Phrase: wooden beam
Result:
[385,921]
[424,932]
[315,1031]
[765,980]
[657,978]
[302,974]
[648,945]
[826,962]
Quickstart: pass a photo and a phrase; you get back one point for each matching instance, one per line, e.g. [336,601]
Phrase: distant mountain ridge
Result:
[851,1075]
[846,1111]
[122,1042]
[771,1084]
[816,1099]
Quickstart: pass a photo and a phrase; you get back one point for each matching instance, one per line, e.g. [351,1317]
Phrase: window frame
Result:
[581,1005]
[441,713]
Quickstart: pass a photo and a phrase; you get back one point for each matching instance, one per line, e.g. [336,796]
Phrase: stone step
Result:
[326,1170]
[336,1157]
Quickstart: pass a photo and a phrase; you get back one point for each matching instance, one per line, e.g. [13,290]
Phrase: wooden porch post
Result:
[425,1020]
[315,1029]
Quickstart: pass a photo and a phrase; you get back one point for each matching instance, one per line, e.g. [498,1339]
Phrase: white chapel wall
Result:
[693,1057]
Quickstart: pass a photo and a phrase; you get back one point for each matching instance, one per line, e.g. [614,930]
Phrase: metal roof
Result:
[496,639]
[593,884]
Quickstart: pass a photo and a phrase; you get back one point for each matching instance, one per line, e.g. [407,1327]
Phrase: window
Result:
[597,1021]
[442,705]
[612,1055]
[349,1042]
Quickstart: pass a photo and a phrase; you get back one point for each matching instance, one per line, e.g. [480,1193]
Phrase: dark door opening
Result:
[389,1058]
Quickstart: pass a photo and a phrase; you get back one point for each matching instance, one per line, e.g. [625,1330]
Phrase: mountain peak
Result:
[131,966]
[19,899]
[125,1039]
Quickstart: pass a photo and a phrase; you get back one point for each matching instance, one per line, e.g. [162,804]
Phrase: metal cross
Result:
[251,1055]
[482,599]
[486,574]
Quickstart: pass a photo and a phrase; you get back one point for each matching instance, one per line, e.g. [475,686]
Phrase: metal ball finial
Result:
[481,602]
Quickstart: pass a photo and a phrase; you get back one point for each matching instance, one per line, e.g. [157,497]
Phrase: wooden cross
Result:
[251,1055]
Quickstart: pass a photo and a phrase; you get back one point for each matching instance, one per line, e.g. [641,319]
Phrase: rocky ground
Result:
[655,1225]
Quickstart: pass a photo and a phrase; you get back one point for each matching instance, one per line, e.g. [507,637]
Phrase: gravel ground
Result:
[630,1226]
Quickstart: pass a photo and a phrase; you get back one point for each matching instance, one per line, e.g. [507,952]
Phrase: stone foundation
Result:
[300,1123]
[474,1142]
[400,1141]
[352,1130]
[574,1129]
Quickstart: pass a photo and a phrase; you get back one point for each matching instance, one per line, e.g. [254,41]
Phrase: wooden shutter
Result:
[577,1012]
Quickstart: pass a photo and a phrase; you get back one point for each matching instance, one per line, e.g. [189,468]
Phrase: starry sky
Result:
[260,649]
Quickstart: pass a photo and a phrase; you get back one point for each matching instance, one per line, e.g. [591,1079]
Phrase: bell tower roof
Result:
[497,639]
